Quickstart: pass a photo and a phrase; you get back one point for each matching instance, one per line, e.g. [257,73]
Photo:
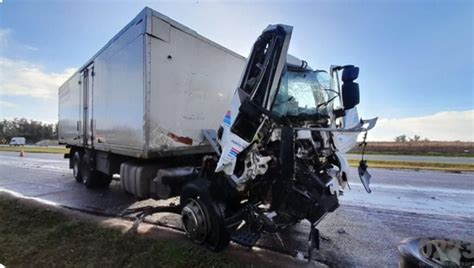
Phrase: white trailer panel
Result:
[150,91]
[191,83]
[70,103]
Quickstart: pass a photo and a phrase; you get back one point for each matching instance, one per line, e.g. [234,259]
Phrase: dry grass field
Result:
[435,148]
[35,149]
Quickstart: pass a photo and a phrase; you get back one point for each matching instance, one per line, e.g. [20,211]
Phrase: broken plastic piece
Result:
[364,175]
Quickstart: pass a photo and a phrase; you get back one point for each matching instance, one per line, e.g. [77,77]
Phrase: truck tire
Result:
[196,200]
[417,252]
[76,167]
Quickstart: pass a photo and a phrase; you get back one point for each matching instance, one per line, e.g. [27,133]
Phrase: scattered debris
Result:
[299,256]
[325,238]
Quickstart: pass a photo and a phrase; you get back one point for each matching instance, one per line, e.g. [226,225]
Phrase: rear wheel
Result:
[203,217]
[76,166]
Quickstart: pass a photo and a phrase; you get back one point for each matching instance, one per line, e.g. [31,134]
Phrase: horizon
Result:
[417,81]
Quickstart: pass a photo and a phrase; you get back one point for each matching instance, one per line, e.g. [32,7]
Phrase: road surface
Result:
[363,232]
[416,158]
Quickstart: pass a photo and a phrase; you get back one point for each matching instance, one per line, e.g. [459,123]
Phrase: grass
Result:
[416,165]
[33,236]
[444,154]
[34,149]
[424,148]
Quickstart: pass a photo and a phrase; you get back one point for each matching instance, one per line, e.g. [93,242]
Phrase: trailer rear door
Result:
[87,119]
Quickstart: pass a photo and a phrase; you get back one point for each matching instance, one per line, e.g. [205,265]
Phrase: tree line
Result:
[405,138]
[33,131]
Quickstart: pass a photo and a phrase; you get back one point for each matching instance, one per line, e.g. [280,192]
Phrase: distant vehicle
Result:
[17,141]
[47,143]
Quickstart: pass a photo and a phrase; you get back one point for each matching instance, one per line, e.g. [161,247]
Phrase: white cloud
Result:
[32,48]
[443,126]
[22,78]
[7,42]
[4,36]
[6,104]
[27,89]
[4,32]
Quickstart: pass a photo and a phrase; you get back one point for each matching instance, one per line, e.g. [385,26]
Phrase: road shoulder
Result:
[38,234]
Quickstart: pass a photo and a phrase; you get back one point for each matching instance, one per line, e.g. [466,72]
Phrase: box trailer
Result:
[147,94]
[150,91]
[249,146]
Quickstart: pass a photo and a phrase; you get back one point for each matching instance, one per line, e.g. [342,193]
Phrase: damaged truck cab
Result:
[280,152]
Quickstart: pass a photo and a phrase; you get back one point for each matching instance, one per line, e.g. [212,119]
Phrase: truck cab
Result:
[280,147]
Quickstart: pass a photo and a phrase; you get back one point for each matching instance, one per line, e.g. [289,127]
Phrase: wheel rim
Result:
[75,169]
[85,170]
[443,252]
[194,221]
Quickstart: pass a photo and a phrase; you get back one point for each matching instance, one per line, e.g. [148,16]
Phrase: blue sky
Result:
[416,57]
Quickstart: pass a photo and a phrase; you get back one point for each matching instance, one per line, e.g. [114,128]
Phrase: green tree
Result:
[32,130]
[401,138]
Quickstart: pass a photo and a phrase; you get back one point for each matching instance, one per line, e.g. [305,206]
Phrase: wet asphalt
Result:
[363,232]
[417,158]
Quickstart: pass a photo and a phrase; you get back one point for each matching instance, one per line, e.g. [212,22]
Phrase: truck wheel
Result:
[76,166]
[433,252]
[202,217]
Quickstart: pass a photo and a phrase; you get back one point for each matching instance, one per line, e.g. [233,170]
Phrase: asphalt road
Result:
[363,232]
[416,158]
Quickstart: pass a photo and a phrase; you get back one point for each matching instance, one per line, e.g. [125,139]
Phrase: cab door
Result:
[261,78]
[255,94]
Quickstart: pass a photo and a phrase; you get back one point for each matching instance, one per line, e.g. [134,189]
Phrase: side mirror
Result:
[350,90]
[350,95]
[350,73]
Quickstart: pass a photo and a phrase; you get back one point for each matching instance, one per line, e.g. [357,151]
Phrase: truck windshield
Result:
[304,93]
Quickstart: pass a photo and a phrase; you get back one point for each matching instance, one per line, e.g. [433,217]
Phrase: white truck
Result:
[18,141]
[158,106]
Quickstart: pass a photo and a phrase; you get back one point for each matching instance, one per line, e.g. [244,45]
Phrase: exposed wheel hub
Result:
[194,221]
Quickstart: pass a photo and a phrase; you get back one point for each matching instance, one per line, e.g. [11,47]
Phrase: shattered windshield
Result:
[304,93]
